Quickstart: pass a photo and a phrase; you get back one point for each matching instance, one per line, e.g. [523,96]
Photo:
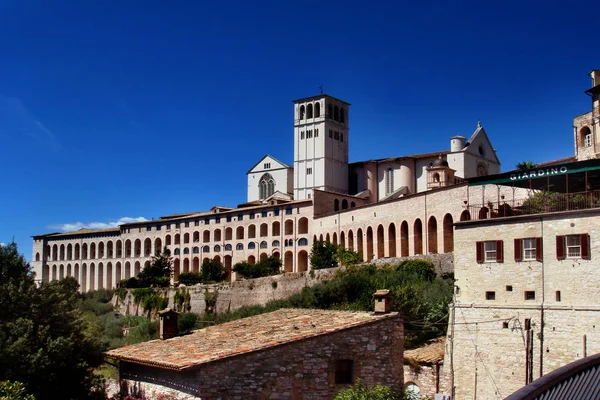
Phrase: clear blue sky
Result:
[128,109]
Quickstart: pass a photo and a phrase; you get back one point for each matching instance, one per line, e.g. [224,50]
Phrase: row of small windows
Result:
[334,112]
[336,204]
[530,249]
[336,135]
[309,134]
[240,246]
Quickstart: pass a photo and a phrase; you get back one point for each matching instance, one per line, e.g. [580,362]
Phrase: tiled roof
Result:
[242,336]
[431,353]
[82,231]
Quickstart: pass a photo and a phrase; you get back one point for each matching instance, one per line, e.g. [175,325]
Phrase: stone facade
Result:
[586,127]
[514,321]
[305,367]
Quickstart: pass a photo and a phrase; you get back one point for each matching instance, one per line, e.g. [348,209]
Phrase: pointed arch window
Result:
[266,186]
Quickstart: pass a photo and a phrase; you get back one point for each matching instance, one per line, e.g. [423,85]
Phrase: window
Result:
[490,251]
[389,181]
[240,217]
[266,186]
[303,242]
[336,135]
[276,212]
[316,133]
[288,211]
[251,215]
[573,246]
[197,222]
[176,252]
[558,295]
[228,247]
[331,133]
[148,228]
[302,135]
[187,224]
[263,245]
[308,171]
[588,140]
[264,213]
[344,370]
[217,248]
[490,295]
[505,325]
[251,245]
[267,165]
[239,246]
[177,225]
[217,220]
[341,136]
[229,218]
[196,250]
[528,249]
[206,249]
[158,227]
[186,251]
[509,288]
[275,243]
[529,295]
[309,134]
[206,221]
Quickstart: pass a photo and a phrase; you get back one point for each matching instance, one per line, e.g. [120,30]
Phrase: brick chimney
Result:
[167,323]
[383,301]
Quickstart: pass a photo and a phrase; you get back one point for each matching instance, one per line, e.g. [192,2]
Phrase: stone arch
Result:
[317,110]
[168,240]
[101,250]
[92,252]
[483,212]
[418,236]
[118,272]
[186,265]
[404,239]
[263,256]
[302,111]
[359,243]
[76,272]
[392,240]
[157,246]
[177,239]
[334,238]
[206,236]
[83,281]
[585,137]
[100,276]
[351,240]
[288,261]
[84,251]
[147,247]
[370,252]
[127,270]
[217,235]
[196,264]
[137,247]
[343,239]
[77,251]
[251,260]
[432,235]
[196,237]
[239,232]
[128,248]
[448,234]
[61,271]
[289,227]
[92,277]
[69,252]
[69,270]
[186,238]
[380,242]
[344,204]
[465,215]
[336,205]
[138,268]
[55,252]
[303,226]
[54,275]
[327,238]
[309,111]
[302,261]
[264,230]
[110,250]
[228,233]
[275,228]
[37,256]
[251,231]
[109,275]
[62,252]
[176,269]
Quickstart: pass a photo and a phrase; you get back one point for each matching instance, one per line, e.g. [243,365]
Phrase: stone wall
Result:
[304,369]
[234,295]
[443,263]
[430,378]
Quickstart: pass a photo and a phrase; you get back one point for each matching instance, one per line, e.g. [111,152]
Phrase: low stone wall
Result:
[430,378]
[443,263]
[234,295]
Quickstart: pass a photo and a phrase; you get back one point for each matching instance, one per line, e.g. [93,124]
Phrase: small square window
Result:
[490,295]
[558,295]
[187,224]
[196,222]
[148,228]
[177,225]
[267,165]
[509,288]
[344,370]
[206,221]
[229,218]
[505,325]
[308,171]
[529,295]
[158,227]
[240,217]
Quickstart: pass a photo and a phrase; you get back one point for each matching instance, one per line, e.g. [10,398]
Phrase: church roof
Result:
[284,165]
[243,336]
[319,96]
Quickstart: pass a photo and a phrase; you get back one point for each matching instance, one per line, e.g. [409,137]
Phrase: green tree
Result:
[14,391]
[267,267]
[348,258]
[43,341]
[523,165]
[159,271]
[212,271]
[323,255]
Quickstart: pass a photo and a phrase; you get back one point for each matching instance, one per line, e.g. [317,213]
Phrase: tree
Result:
[358,391]
[159,271]
[43,341]
[267,267]
[323,255]
[523,165]
[14,391]
[212,271]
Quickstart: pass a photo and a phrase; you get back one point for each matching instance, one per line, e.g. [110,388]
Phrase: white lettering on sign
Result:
[539,173]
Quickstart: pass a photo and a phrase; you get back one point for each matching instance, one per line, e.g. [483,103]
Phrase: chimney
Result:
[595,75]
[167,323]
[383,301]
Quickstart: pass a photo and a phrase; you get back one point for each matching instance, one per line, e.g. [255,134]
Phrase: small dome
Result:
[440,162]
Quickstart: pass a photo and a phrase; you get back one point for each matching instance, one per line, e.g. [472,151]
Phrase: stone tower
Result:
[320,145]
[586,126]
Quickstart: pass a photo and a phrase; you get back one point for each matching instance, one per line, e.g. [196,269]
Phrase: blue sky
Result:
[137,109]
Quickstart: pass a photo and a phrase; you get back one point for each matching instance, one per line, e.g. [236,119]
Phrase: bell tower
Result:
[320,145]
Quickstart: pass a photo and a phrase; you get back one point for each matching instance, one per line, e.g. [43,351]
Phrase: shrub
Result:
[14,391]
[190,278]
[358,391]
[422,268]
[186,322]
[212,271]
[323,255]
[267,267]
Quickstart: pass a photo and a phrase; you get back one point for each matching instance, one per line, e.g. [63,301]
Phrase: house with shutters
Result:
[526,296]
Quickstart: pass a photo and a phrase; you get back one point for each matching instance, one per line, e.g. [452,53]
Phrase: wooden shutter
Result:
[479,247]
[518,249]
[560,247]
[539,253]
[499,251]
[585,246]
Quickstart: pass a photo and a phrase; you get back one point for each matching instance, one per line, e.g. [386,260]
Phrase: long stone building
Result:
[381,208]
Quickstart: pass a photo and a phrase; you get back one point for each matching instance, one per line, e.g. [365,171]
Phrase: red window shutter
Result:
[499,251]
[479,247]
[539,253]
[585,246]
[560,247]
[518,250]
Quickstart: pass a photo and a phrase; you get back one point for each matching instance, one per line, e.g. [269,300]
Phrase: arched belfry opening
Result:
[266,186]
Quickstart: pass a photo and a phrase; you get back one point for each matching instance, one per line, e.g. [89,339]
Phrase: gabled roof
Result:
[431,352]
[283,165]
[242,336]
[480,133]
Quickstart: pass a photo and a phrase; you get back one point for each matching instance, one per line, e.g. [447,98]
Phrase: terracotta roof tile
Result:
[241,336]
[430,353]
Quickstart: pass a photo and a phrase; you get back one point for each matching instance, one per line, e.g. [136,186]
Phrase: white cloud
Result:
[75,226]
